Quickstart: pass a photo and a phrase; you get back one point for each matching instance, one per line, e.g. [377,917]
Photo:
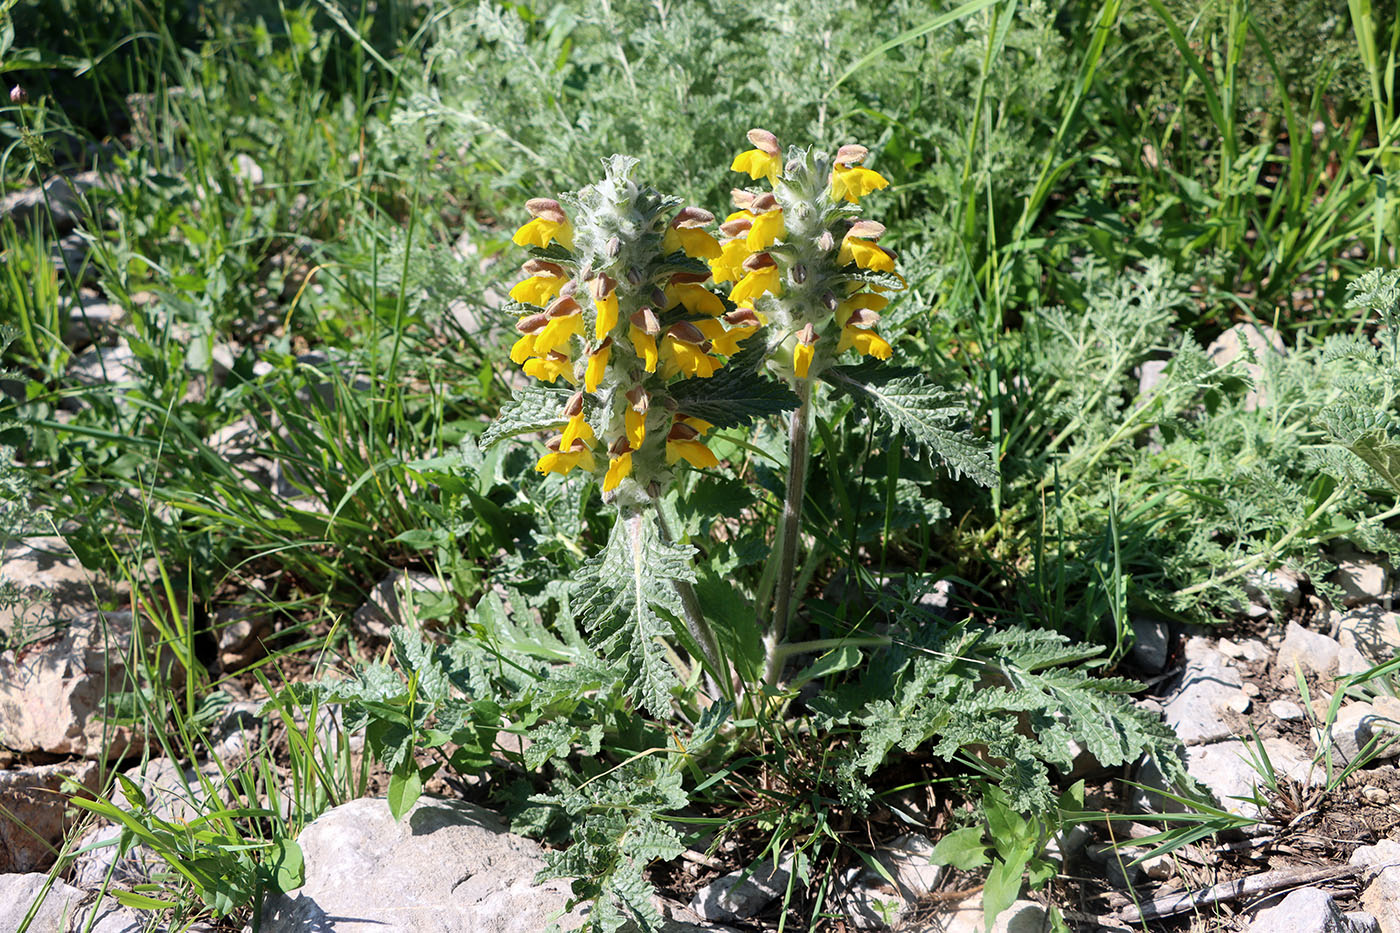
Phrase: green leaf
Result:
[405,787]
[737,394]
[287,858]
[962,848]
[1378,453]
[532,408]
[619,593]
[140,901]
[1003,885]
[135,797]
[832,662]
[923,412]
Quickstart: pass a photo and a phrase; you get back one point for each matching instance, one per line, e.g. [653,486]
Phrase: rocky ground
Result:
[1315,848]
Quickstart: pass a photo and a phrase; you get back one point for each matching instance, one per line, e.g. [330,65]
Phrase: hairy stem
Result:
[695,617]
[799,437]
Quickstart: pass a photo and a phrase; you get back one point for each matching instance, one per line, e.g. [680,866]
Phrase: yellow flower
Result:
[597,366]
[576,429]
[540,231]
[558,462]
[692,241]
[868,343]
[700,425]
[607,314]
[767,229]
[645,346]
[537,289]
[865,254]
[695,297]
[758,164]
[557,332]
[802,359]
[692,451]
[854,182]
[551,367]
[636,425]
[868,301]
[724,341]
[618,468]
[764,280]
[683,357]
[729,265]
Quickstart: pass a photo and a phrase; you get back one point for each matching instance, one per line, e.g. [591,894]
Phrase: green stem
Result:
[695,617]
[799,438]
[787,650]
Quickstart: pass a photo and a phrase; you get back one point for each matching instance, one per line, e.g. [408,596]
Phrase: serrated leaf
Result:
[531,408]
[922,411]
[1378,453]
[737,394]
[620,591]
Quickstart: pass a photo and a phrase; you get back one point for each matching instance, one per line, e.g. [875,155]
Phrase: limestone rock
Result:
[54,586]
[1371,630]
[968,917]
[1309,910]
[1286,710]
[53,694]
[447,865]
[870,902]
[742,894]
[1151,644]
[1312,651]
[1354,728]
[59,912]
[1262,342]
[32,817]
[390,602]
[1208,689]
[91,317]
[58,199]
[1278,589]
[241,633]
[1381,897]
[1363,578]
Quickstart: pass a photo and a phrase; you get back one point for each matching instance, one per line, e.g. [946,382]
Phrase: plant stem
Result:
[799,437]
[695,617]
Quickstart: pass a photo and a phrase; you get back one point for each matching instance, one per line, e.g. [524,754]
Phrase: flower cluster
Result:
[614,303]
[801,255]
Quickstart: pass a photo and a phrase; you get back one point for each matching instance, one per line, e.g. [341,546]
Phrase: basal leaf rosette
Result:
[614,303]
[803,259]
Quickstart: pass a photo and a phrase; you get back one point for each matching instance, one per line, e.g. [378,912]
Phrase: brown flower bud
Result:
[602,286]
[646,322]
[574,405]
[547,209]
[613,247]
[18,95]
[737,227]
[634,277]
[764,203]
[867,229]
[826,242]
[762,139]
[863,317]
[758,261]
[680,431]
[563,306]
[742,199]
[807,336]
[686,332]
[851,153]
[568,289]
[638,398]
[693,217]
[554,442]
[544,267]
[683,278]
[742,317]
[830,301]
[799,273]
[532,324]
[619,447]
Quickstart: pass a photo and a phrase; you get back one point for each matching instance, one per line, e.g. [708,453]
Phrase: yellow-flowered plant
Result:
[802,257]
[614,303]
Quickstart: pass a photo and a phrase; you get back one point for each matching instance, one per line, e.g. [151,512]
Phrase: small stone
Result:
[1371,630]
[1223,771]
[1306,910]
[115,366]
[1150,375]
[1279,589]
[18,892]
[1381,897]
[740,895]
[1378,796]
[1228,648]
[1363,578]
[91,317]
[1251,690]
[1354,728]
[1264,344]
[386,607]
[1158,867]
[1286,710]
[1208,688]
[1151,644]
[1240,703]
[241,633]
[967,916]
[54,588]
[1311,651]
[33,820]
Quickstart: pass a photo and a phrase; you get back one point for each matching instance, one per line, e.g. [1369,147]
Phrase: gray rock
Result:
[1309,910]
[114,366]
[968,917]
[1381,897]
[390,603]
[1279,589]
[1372,630]
[1208,688]
[72,260]
[1151,644]
[54,586]
[241,632]
[1363,578]
[58,199]
[447,865]
[1356,724]
[742,894]
[51,696]
[1224,771]
[1263,343]
[1286,710]
[91,317]
[870,902]
[1150,376]
[1312,651]
[32,812]
[58,912]
[239,444]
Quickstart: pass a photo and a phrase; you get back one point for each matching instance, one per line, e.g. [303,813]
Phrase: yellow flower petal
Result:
[522,349]
[618,468]
[606,319]
[576,429]
[557,462]
[645,347]
[865,254]
[687,358]
[692,241]
[636,426]
[729,265]
[854,182]
[802,359]
[557,331]
[725,342]
[756,283]
[537,289]
[768,228]
[550,368]
[539,232]
[758,164]
[597,366]
[699,424]
[695,298]
[868,343]
[691,451]
[868,301]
